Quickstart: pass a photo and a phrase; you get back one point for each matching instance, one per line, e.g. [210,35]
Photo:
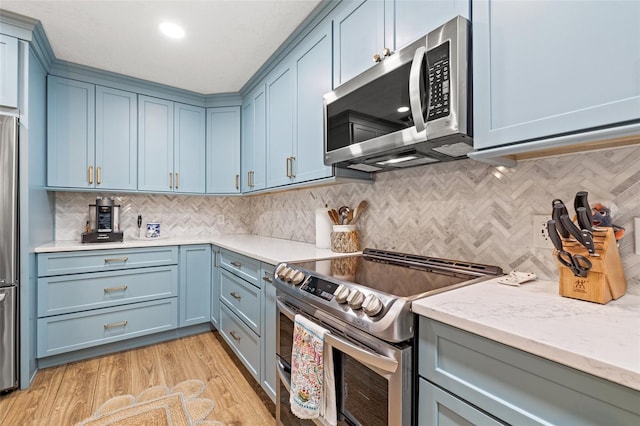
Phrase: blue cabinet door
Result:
[195,285]
[116,139]
[358,34]
[215,288]
[155,144]
[70,133]
[8,71]
[280,116]
[189,152]
[415,18]
[268,334]
[313,79]
[254,134]
[223,150]
[545,68]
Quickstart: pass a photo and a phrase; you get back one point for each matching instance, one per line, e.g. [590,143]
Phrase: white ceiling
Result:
[226,41]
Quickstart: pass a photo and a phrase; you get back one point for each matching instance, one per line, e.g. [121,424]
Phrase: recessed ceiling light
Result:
[172,30]
[403,109]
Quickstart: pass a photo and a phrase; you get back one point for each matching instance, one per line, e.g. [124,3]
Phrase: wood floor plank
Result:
[70,393]
[32,406]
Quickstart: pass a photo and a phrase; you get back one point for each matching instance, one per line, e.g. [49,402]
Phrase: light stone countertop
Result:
[265,249]
[602,340]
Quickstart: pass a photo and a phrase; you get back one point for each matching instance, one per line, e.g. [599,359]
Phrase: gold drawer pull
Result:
[177,180]
[233,334]
[99,173]
[111,289]
[235,295]
[115,324]
[115,259]
[91,174]
[170,180]
[267,279]
[236,264]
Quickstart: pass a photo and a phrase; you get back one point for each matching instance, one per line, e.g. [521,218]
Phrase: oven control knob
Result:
[297,277]
[288,275]
[355,299]
[341,293]
[280,271]
[371,305]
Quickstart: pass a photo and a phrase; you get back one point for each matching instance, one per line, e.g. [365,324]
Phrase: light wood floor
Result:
[67,394]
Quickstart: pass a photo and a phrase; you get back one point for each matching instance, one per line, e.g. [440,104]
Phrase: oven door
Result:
[373,378]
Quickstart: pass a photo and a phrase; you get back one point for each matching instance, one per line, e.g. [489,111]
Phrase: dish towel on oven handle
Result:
[312,383]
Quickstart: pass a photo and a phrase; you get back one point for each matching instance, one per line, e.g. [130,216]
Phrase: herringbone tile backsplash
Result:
[461,210]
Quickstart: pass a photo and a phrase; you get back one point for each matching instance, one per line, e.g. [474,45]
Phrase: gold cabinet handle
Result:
[91,174]
[233,334]
[115,259]
[116,324]
[292,175]
[99,174]
[170,180]
[235,295]
[237,182]
[267,278]
[377,58]
[215,259]
[386,52]
[177,180]
[236,264]
[112,289]
[253,178]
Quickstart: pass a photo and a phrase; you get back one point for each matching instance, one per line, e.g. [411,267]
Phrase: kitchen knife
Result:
[584,219]
[581,201]
[553,234]
[584,237]
[558,210]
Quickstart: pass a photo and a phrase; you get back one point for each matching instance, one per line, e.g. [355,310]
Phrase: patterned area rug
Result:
[157,406]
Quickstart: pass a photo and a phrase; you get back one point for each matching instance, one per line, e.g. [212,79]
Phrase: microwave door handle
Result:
[414,89]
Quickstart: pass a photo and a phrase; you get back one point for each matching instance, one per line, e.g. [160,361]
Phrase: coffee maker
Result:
[104,222]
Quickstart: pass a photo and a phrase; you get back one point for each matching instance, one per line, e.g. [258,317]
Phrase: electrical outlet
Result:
[220,219]
[636,232]
[540,234]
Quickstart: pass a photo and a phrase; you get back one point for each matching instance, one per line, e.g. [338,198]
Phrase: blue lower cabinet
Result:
[242,298]
[244,342]
[215,288]
[195,285]
[70,332]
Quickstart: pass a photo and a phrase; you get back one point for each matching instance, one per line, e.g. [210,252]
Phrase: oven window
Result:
[365,394]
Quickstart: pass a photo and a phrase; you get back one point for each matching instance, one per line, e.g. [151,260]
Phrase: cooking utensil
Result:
[349,217]
[335,218]
[578,264]
[558,209]
[362,206]
[581,201]
[584,237]
[343,212]
[139,225]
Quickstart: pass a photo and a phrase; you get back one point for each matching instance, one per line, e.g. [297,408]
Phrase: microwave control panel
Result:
[439,81]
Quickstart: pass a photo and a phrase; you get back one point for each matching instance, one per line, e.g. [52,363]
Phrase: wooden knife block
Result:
[605,281]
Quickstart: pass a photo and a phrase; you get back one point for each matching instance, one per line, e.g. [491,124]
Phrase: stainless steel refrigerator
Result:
[8,252]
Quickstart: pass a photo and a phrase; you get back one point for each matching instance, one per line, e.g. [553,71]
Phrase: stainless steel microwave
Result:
[412,108]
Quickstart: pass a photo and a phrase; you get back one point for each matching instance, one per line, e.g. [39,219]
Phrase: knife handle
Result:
[581,201]
[553,234]
[584,219]
[571,228]
[558,210]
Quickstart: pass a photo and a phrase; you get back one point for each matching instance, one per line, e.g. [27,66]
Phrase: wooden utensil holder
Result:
[605,280]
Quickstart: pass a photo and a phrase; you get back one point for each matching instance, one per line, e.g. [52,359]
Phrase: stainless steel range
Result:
[365,303]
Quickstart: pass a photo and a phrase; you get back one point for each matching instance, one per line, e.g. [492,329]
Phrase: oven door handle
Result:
[362,355]
[284,377]
[358,353]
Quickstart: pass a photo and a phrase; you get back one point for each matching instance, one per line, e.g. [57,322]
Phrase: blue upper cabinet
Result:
[549,68]
[8,71]
[116,156]
[359,33]
[362,29]
[313,79]
[189,161]
[171,146]
[280,132]
[254,140]
[155,144]
[70,133]
[223,150]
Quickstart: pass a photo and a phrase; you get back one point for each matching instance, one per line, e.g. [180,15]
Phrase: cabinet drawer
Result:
[70,332]
[73,293]
[437,407]
[518,387]
[241,298]
[104,260]
[242,266]
[242,340]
